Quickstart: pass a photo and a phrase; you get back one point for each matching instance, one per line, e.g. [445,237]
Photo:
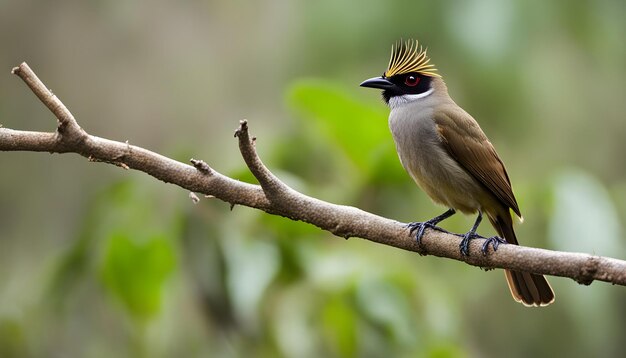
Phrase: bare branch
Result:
[64,116]
[275,197]
[269,182]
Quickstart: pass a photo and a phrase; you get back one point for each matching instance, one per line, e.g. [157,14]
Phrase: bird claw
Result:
[420,227]
[432,224]
[495,242]
[464,245]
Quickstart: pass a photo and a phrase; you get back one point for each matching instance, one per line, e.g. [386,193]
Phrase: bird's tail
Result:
[527,288]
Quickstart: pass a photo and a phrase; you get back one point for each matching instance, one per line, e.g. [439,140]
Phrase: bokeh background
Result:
[96,261]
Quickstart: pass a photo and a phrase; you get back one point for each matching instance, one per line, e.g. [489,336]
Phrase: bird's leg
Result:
[464,245]
[432,223]
[494,241]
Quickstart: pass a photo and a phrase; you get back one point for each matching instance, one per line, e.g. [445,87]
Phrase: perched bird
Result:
[447,154]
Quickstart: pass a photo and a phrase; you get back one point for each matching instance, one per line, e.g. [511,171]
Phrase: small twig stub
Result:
[201,166]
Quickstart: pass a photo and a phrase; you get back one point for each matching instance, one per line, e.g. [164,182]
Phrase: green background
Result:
[96,261]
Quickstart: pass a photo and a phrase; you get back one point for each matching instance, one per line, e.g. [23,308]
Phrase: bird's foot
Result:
[420,227]
[495,242]
[467,237]
[464,245]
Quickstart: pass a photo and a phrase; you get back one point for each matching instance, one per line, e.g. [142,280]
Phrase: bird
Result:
[447,154]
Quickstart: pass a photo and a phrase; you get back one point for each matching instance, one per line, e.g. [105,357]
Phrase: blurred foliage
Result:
[135,273]
[99,262]
[341,118]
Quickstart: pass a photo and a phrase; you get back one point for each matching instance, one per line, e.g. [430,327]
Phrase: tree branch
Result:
[275,197]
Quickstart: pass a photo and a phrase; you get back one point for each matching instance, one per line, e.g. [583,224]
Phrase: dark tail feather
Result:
[526,288]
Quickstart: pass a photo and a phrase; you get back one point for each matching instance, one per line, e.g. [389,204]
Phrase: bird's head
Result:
[409,75]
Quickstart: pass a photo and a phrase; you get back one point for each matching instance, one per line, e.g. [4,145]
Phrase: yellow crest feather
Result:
[409,57]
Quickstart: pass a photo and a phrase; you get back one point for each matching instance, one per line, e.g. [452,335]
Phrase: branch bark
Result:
[275,197]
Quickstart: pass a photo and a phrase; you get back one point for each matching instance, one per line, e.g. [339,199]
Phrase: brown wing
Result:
[467,143]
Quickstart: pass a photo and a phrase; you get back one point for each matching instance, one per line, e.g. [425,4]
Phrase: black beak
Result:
[377,82]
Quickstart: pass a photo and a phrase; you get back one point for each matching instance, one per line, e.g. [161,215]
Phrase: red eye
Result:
[411,80]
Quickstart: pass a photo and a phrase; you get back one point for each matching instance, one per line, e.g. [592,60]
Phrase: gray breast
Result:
[427,161]
[417,141]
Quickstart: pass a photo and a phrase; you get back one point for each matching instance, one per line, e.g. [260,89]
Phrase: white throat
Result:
[398,101]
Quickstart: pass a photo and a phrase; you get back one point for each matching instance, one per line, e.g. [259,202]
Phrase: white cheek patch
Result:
[398,101]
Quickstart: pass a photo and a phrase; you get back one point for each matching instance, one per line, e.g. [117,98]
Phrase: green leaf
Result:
[13,338]
[136,272]
[358,128]
[340,323]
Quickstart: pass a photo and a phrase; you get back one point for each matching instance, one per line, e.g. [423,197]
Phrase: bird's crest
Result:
[409,57]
